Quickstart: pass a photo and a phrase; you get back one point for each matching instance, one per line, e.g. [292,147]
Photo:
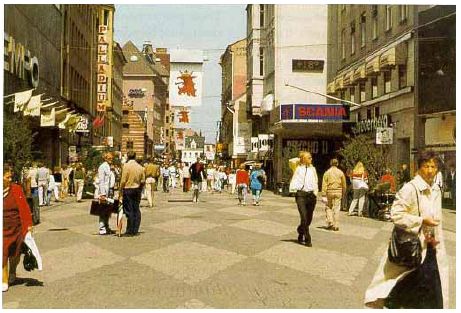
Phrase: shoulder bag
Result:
[405,248]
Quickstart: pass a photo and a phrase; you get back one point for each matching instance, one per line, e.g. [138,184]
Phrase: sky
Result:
[209,27]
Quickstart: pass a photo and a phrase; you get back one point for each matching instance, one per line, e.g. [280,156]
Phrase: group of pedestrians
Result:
[415,212]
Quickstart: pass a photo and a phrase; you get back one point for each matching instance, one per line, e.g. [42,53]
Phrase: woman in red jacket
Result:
[17,221]
[242,181]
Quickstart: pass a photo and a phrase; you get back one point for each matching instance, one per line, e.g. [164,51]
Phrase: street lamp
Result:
[324,95]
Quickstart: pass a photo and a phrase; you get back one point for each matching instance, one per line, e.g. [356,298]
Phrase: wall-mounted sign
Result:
[333,112]
[291,147]
[20,62]
[315,66]
[136,92]
[369,125]
[159,147]
[82,125]
[104,64]
[254,144]
[384,135]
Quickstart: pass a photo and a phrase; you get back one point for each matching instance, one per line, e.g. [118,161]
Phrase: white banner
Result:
[384,135]
[33,107]
[181,117]
[180,140]
[263,142]
[186,84]
[254,144]
[48,119]
[210,155]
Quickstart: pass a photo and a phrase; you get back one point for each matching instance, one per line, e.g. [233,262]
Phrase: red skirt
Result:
[12,238]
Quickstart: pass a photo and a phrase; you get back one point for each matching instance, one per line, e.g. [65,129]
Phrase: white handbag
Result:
[359,183]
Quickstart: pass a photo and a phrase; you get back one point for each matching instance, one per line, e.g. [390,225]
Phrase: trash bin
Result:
[34,209]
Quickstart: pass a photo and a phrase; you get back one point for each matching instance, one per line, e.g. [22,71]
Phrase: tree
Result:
[374,157]
[17,142]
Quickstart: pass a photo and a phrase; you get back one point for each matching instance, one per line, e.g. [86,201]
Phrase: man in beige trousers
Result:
[333,187]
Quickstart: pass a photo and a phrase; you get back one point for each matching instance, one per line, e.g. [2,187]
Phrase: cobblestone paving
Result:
[210,254]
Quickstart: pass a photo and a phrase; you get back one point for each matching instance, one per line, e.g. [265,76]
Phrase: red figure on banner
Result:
[183,116]
[188,85]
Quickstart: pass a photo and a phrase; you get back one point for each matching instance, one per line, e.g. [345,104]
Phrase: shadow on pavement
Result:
[29,282]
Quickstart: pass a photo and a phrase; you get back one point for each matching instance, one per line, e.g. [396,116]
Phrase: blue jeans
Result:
[256,194]
[131,201]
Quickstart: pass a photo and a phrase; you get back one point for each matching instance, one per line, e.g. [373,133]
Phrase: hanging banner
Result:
[33,107]
[181,118]
[180,141]
[62,125]
[48,119]
[21,99]
[186,77]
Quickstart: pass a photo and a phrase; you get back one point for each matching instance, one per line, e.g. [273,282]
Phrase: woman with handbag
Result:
[257,181]
[421,282]
[17,221]
[359,179]
[305,183]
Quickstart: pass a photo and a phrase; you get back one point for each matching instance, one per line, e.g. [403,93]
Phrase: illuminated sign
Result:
[104,64]
[315,66]
[314,112]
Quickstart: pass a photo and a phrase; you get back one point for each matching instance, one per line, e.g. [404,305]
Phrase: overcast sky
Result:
[210,27]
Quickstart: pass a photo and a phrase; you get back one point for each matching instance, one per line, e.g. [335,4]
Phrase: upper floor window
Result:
[353,38]
[374,21]
[374,87]
[352,93]
[261,61]
[387,82]
[362,92]
[402,76]
[388,17]
[403,12]
[363,34]
[261,15]
[343,44]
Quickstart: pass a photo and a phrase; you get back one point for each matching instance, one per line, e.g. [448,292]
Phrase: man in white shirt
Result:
[104,176]
[305,183]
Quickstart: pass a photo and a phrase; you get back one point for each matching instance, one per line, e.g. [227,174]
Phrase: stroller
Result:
[381,201]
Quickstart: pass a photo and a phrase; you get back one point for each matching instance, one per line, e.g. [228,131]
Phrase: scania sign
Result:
[314,112]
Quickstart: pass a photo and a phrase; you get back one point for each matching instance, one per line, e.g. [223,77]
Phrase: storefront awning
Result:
[349,78]
[394,56]
[331,88]
[372,67]
[339,83]
[359,73]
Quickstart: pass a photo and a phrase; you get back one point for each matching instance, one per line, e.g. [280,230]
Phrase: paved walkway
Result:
[210,254]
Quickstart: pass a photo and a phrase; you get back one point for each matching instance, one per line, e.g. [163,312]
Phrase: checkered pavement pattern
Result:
[209,254]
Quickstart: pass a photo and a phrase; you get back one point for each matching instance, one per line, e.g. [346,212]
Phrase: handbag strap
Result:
[304,180]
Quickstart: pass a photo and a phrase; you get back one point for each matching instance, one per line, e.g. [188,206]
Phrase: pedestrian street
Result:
[209,254]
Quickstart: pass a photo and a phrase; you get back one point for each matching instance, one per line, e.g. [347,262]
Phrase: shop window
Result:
[387,81]
[376,111]
[352,94]
[402,76]
[374,87]
[362,92]
[359,116]
[369,114]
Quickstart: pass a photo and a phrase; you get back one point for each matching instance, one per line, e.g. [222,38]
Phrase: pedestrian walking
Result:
[333,188]
[197,174]
[65,181]
[360,188]
[71,179]
[305,184]
[43,179]
[57,175]
[152,172]
[131,184]
[417,210]
[232,181]
[32,177]
[388,178]
[165,178]
[79,180]
[210,177]
[172,170]
[17,221]
[50,190]
[104,175]
[186,177]
[257,181]
[242,181]
[451,183]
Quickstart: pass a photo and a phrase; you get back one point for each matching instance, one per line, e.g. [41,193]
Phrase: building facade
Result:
[115,113]
[287,52]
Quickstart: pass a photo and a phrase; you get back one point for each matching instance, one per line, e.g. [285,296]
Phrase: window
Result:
[352,38]
[126,125]
[368,114]
[362,91]
[388,17]
[343,44]
[261,15]
[374,87]
[363,34]
[376,111]
[129,144]
[352,92]
[167,132]
[387,82]
[167,120]
[402,76]
[106,17]
[359,117]
[374,21]
[403,12]
[261,61]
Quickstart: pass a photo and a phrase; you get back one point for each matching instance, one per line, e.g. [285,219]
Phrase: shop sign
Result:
[136,92]
[307,66]
[335,112]
[254,144]
[384,135]
[82,125]
[20,62]
[266,142]
[312,146]
[104,68]
[159,147]
[370,125]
